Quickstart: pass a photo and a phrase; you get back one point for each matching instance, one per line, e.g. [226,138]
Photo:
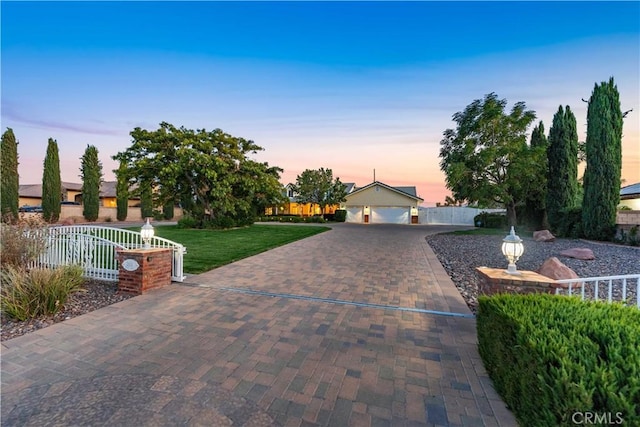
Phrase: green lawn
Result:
[208,249]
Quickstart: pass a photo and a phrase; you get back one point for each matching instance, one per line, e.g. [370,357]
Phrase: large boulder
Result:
[579,253]
[554,269]
[543,236]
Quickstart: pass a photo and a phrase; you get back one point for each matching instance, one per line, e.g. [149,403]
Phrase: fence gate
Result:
[94,249]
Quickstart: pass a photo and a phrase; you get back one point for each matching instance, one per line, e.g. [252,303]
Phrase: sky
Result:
[350,86]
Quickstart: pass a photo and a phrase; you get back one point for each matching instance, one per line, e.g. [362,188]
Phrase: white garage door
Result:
[390,215]
[354,215]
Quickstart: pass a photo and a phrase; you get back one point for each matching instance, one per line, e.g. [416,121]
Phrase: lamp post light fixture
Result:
[147,233]
[512,249]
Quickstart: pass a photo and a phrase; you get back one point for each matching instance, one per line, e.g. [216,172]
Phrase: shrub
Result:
[570,223]
[490,220]
[552,356]
[28,294]
[188,221]
[340,215]
[23,242]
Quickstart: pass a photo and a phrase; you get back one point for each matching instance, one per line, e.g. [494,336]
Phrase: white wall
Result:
[451,215]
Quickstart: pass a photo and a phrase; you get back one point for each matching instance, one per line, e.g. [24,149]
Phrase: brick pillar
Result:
[144,269]
[498,281]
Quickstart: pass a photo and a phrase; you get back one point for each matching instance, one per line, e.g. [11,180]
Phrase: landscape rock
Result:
[543,236]
[553,268]
[579,253]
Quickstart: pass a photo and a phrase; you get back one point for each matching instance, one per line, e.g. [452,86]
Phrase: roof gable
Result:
[404,191]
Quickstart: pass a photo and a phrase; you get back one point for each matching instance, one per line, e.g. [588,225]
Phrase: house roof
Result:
[107,189]
[409,191]
[630,191]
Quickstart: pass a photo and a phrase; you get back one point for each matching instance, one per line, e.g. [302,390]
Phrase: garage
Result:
[354,214]
[390,215]
[379,203]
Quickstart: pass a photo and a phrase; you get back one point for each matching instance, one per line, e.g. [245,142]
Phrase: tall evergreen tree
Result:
[534,212]
[146,200]
[51,183]
[9,175]
[604,162]
[122,192]
[91,174]
[562,172]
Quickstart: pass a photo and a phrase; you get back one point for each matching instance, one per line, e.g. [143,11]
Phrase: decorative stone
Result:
[555,269]
[543,236]
[579,253]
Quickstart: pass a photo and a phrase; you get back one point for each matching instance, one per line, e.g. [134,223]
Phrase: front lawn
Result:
[208,249]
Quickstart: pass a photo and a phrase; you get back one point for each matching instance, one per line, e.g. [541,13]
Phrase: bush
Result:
[552,356]
[188,221]
[490,220]
[570,224]
[23,242]
[340,215]
[28,294]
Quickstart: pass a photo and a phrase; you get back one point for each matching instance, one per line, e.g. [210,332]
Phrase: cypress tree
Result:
[91,174]
[51,184]
[604,162]
[562,171]
[9,194]
[534,212]
[146,200]
[122,192]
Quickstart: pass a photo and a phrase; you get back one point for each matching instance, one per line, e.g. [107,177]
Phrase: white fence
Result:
[94,249]
[451,215]
[610,288]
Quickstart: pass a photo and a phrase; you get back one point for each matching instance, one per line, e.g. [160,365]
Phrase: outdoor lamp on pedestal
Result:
[512,249]
[147,233]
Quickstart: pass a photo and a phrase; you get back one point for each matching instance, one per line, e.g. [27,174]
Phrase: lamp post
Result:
[147,233]
[512,249]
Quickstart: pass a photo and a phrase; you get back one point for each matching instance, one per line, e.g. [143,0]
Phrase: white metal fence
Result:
[451,215]
[624,289]
[94,249]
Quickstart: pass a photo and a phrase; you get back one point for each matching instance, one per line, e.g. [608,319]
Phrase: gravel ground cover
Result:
[96,294]
[461,254]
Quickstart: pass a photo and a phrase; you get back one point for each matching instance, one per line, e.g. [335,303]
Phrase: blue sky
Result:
[350,86]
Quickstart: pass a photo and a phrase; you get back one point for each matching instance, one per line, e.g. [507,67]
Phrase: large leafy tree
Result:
[9,176]
[208,172]
[562,171]
[319,187]
[91,174]
[51,183]
[604,162]
[486,159]
[122,192]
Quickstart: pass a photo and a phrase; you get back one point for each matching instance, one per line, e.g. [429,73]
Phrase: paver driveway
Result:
[356,326]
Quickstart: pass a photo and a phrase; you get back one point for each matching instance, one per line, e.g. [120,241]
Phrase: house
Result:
[293,207]
[379,203]
[31,194]
[630,196]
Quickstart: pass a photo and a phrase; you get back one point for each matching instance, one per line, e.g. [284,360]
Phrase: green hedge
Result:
[340,215]
[317,219]
[490,220]
[551,357]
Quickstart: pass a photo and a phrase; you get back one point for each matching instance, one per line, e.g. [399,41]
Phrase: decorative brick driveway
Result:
[357,326]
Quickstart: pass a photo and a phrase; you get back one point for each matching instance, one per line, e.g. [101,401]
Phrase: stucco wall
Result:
[383,197]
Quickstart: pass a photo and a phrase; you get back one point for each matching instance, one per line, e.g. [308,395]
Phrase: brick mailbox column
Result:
[498,281]
[144,269]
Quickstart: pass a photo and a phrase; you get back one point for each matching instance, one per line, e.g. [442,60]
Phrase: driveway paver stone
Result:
[357,326]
